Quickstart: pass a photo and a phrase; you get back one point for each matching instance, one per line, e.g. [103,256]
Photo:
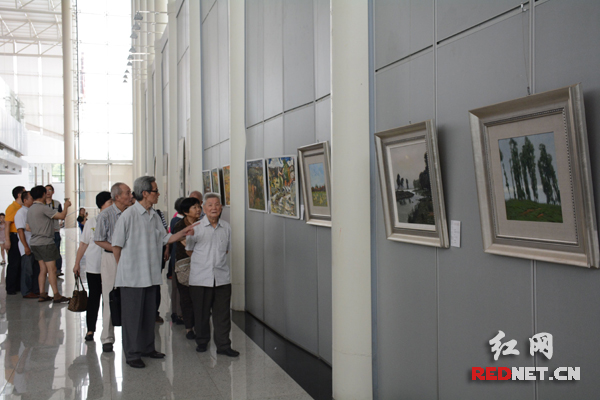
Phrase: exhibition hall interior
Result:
[410,190]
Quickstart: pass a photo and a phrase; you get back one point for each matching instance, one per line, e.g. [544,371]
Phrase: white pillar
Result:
[173,178]
[194,141]
[237,140]
[351,236]
[67,47]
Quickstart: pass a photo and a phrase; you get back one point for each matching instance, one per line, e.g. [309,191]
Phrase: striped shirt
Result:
[105,224]
[141,236]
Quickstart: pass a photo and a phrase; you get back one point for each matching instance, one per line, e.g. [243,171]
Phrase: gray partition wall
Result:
[436,309]
[215,86]
[288,263]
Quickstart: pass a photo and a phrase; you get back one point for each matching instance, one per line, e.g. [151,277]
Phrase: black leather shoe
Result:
[107,347]
[89,337]
[201,348]
[229,352]
[136,363]
[190,335]
[154,354]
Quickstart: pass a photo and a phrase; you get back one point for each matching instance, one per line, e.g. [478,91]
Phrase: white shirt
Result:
[21,223]
[141,234]
[209,266]
[93,254]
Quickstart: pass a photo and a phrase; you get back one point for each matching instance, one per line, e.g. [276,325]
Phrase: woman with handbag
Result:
[192,209]
[93,260]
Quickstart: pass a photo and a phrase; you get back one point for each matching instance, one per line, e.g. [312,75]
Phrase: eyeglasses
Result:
[152,191]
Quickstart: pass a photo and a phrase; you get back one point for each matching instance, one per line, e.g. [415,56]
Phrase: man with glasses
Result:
[137,243]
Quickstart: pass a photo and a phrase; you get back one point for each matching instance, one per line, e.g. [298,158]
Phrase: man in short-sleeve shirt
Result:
[210,278]
[105,224]
[30,268]
[41,218]
[11,242]
[137,242]
[55,205]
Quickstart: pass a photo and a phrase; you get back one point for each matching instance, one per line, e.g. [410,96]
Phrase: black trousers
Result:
[138,314]
[57,240]
[185,300]
[13,271]
[218,300]
[93,304]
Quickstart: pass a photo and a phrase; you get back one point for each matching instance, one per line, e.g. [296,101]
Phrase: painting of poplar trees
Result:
[531,189]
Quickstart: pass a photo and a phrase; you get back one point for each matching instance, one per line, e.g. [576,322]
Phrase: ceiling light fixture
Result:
[138,16]
[136,27]
[133,35]
[132,49]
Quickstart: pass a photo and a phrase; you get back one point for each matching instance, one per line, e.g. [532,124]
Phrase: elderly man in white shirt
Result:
[210,280]
[137,242]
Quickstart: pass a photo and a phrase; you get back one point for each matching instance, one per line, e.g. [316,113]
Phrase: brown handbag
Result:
[78,302]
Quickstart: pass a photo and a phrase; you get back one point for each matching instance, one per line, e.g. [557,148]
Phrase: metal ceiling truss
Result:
[31,28]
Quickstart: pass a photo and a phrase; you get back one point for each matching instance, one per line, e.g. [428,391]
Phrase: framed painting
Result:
[215,179]
[316,183]
[534,183]
[283,186]
[227,185]
[206,181]
[411,185]
[256,184]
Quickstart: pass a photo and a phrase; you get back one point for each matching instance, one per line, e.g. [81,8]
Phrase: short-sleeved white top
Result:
[141,234]
[21,223]
[93,254]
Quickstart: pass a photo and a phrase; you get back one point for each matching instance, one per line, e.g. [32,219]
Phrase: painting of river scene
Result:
[283,187]
[317,184]
[409,169]
[531,190]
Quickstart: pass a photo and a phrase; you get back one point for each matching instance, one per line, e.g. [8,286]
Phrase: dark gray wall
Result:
[288,263]
[437,308]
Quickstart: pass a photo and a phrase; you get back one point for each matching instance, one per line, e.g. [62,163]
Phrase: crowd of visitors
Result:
[126,247]
[31,237]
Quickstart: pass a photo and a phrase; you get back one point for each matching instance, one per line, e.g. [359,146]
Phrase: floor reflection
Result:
[44,356]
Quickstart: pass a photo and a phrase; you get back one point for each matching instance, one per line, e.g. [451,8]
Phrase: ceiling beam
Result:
[28,40]
[28,11]
[30,55]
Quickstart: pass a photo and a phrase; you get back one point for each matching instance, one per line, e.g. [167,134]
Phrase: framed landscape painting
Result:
[534,186]
[411,185]
[227,185]
[256,185]
[206,181]
[316,183]
[215,180]
[283,186]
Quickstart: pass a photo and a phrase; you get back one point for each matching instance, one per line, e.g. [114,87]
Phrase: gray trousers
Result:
[215,300]
[138,316]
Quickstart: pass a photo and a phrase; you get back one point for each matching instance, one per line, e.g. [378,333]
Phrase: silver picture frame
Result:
[411,185]
[315,178]
[534,183]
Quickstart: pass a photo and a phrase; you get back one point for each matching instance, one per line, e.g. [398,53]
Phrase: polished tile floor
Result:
[43,356]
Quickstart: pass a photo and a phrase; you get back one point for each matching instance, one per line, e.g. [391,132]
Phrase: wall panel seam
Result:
[480,26]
